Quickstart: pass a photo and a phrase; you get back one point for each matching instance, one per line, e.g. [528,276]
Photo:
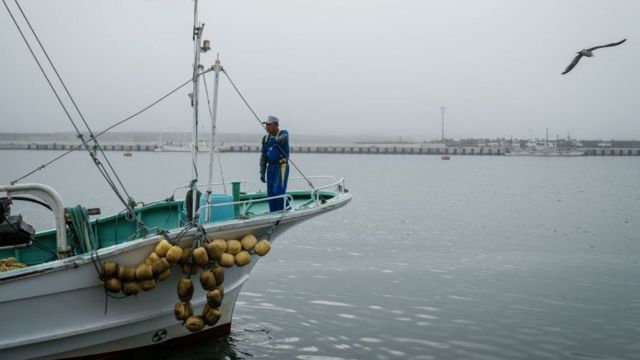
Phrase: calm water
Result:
[473,258]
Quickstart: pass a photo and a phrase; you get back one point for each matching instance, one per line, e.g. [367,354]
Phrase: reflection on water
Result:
[473,258]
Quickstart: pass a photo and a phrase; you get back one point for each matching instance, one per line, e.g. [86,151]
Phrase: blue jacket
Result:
[275,149]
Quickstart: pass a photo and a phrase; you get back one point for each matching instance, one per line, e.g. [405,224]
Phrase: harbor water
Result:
[472,258]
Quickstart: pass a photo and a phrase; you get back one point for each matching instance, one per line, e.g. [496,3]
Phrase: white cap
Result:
[271,119]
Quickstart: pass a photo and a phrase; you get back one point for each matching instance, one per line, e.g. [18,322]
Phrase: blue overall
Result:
[274,160]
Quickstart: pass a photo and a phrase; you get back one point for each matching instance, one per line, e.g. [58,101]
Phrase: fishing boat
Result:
[545,147]
[202,146]
[161,273]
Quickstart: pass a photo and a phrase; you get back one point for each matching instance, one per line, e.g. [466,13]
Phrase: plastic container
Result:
[217,213]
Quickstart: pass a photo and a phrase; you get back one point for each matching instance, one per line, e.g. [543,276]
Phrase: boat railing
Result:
[52,199]
[245,205]
[173,194]
[292,179]
[338,185]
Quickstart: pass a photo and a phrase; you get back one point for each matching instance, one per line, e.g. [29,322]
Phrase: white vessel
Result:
[203,146]
[559,147]
[60,309]
[149,275]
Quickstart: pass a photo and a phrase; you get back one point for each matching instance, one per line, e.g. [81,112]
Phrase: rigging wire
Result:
[264,128]
[107,129]
[103,171]
[73,102]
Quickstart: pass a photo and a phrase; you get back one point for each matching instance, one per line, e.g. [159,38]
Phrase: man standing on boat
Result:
[274,164]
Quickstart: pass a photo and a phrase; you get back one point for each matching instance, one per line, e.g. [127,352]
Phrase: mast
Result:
[212,144]
[546,141]
[197,34]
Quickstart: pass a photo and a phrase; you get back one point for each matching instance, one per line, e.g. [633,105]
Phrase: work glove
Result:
[262,178]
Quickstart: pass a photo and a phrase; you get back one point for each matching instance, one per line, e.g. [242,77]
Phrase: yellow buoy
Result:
[153,257]
[214,298]
[109,269]
[210,315]
[126,273]
[218,272]
[194,323]
[214,249]
[262,247]
[186,255]
[200,256]
[174,254]
[226,260]
[248,242]
[207,280]
[160,266]
[164,275]
[233,247]
[185,289]
[242,258]
[147,285]
[144,272]
[113,285]
[130,288]
[162,248]
[182,311]
[221,289]
[220,243]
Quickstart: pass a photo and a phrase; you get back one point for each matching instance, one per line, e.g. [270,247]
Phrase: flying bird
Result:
[588,53]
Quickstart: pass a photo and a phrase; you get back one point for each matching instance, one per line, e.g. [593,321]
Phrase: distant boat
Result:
[445,157]
[545,152]
[127,154]
[203,146]
[560,147]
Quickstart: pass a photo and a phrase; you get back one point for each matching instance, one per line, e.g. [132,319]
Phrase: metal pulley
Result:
[206,46]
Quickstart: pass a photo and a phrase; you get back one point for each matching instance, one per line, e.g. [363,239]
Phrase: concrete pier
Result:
[398,149]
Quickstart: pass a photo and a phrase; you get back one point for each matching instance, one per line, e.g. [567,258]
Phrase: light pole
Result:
[442,109]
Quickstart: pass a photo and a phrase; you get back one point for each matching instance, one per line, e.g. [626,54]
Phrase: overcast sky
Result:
[350,67]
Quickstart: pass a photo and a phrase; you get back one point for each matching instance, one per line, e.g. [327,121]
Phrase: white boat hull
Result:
[550,152]
[57,309]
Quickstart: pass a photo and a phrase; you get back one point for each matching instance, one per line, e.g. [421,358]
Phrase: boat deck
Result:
[158,217]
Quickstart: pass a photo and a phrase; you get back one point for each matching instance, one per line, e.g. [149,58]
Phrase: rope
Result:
[96,161]
[273,227]
[84,233]
[264,128]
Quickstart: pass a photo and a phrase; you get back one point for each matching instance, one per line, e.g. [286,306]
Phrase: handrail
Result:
[312,177]
[203,185]
[51,197]
[251,182]
[315,193]
[285,198]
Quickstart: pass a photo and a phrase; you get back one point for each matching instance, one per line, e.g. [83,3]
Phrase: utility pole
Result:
[442,109]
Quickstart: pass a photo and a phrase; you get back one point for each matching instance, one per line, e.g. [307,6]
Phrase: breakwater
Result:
[398,149]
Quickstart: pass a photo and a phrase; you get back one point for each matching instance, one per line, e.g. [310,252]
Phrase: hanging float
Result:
[209,259]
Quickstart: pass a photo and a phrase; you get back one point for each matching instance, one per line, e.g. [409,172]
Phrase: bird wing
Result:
[608,45]
[574,62]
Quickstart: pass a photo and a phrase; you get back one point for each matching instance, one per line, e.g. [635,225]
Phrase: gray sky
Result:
[337,66]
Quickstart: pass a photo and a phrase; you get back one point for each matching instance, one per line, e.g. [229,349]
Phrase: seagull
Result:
[588,53]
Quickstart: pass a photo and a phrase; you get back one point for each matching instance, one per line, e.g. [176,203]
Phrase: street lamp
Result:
[442,109]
